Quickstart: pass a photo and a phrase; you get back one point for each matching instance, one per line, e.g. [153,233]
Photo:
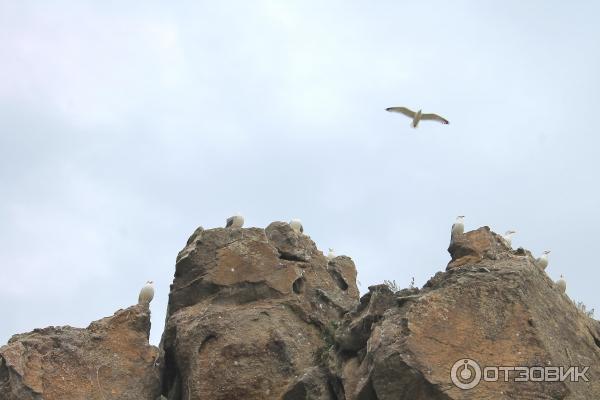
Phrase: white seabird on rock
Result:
[542,261]
[508,237]
[236,221]
[296,225]
[147,293]
[458,228]
[331,254]
[561,285]
[417,116]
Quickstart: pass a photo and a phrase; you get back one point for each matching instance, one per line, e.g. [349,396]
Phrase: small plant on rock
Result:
[328,336]
[392,285]
[582,307]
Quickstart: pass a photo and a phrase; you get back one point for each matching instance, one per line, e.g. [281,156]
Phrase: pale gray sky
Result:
[125,126]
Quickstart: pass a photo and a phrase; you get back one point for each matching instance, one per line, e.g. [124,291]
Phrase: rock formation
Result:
[263,314]
[251,311]
[110,359]
[493,305]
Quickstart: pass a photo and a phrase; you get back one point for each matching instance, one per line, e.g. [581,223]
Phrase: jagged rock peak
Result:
[250,312]
[482,246]
[492,305]
[111,358]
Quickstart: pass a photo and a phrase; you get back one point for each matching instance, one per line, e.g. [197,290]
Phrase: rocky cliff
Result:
[492,305]
[262,314]
[110,359]
[250,313]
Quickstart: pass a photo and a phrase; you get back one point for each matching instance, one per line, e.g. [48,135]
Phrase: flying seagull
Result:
[296,225]
[417,116]
[236,221]
[147,293]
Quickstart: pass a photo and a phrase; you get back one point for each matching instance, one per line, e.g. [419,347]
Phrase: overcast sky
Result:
[124,126]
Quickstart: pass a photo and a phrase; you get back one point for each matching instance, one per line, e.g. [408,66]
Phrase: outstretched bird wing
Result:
[434,117]
[402,110]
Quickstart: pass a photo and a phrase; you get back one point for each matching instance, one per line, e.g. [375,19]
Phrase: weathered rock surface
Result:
[110,359]
[250,313]
[493,305]
[262,314]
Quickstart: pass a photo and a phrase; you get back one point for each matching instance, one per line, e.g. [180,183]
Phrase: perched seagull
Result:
[331,254]
[458,227]
[542,261]
[508,237]
[561,285]
[147,293]
[417,116]
[296,225]
[237,221]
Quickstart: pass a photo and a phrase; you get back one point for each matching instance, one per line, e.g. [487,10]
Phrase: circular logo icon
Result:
[465,374]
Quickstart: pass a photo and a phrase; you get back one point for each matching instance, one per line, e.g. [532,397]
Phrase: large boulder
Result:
[493,305]
[110,359]
[251,312]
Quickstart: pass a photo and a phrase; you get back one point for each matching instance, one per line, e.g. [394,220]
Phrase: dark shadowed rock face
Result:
[251,311]
[493,306]
[110,359]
